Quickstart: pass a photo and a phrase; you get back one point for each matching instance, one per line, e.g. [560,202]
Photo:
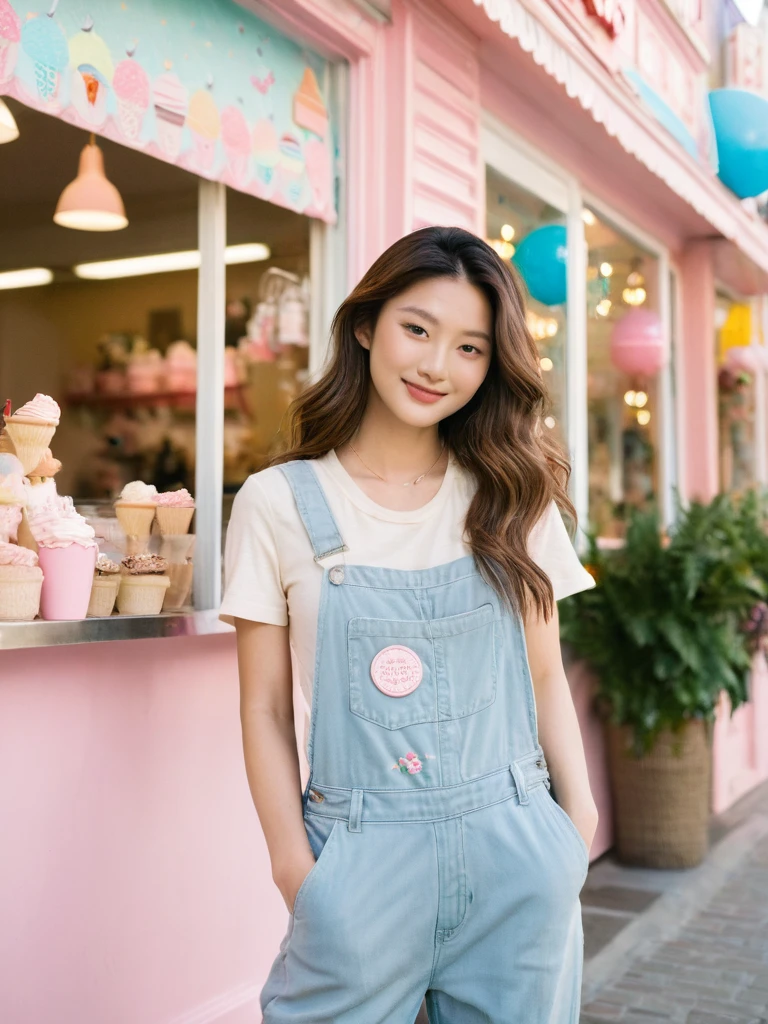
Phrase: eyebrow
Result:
[426,315]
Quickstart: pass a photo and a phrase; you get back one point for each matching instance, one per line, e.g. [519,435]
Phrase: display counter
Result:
[20,635]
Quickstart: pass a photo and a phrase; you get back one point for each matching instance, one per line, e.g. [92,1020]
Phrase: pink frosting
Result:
[13,484]
[234,130]
[10,25]
[176,499]
[12,554]
[42,407]
[57,525]
[10,517]
[131,84]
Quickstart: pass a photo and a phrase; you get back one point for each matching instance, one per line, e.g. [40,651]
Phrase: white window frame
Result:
[525,166]
[669,426]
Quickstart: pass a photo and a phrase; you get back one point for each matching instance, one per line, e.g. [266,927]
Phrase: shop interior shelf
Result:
[234,398]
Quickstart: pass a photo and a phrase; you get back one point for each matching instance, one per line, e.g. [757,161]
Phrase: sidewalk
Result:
[683,947]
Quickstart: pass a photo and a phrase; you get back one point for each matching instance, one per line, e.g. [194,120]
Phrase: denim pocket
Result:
[320,831]
[567,826]
[457,656]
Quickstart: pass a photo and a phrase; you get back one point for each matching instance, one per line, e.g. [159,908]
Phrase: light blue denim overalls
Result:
[444,865]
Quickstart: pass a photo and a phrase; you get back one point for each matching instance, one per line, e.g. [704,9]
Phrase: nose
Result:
[432,366]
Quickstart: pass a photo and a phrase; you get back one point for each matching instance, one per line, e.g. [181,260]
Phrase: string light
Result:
[588,217]
[546,364]
[550,422]
[603,307]
[641,399]
[606,269]
[643,417]
[507,232]
[629,397]
[634,294]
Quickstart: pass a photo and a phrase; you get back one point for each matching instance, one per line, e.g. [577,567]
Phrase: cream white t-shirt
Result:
[270,571]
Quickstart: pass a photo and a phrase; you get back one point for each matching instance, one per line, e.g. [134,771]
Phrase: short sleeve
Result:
[550,547]
[253,588]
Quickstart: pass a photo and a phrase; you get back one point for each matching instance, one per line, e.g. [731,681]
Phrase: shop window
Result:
[515,216]
[624,387]
[735,393]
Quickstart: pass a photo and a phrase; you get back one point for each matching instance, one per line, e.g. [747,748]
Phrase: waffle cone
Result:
[181,583]
[174,521]
[20,587]
[25,537]
[142,595]
[135,519]
[30,438]
[103,596]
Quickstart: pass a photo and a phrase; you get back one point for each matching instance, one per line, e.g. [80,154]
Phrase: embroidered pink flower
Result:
[402,760]
[411,756]
[411,764]
[414,767]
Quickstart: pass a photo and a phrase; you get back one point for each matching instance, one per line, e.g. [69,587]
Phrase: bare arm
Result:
[269,747]
[559,732]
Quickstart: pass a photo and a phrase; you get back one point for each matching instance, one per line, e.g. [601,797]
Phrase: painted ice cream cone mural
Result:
[130,85]
[265,151]
[310,114]
[10,37]
[92,72]
[291,168]
[45,44]
[237,143]
[205,124]
[170,99]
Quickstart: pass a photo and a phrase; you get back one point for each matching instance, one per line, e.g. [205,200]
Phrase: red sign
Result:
[609,13]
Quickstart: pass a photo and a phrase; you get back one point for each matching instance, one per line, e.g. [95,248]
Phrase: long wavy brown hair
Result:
[497,436]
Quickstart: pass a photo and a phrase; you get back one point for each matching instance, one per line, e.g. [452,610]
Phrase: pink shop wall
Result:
[135,884]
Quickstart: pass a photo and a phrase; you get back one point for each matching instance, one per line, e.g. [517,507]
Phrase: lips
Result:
[423,394]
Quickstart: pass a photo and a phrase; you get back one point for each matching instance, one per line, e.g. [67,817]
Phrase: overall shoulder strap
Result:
[313,508]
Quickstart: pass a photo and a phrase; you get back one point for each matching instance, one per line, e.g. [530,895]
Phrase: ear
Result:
[363,335]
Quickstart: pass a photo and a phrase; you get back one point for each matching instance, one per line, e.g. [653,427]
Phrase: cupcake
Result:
[170,100]
[10,37]
[181,368]
[21,580]
[67,553]
[180,574]
[106,583]
[31,428]
[205,124]
[174,511]
[135,510]
[143,583]
[308,108]
[237,143]
[131,88]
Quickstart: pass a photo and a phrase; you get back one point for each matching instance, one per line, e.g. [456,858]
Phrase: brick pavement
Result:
[709,967]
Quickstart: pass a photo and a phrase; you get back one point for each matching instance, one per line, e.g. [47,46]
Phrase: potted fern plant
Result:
[672,623]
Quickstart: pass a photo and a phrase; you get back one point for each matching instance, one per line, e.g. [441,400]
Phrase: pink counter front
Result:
[134,879]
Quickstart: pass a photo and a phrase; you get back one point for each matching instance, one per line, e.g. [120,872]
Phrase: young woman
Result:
[408,549]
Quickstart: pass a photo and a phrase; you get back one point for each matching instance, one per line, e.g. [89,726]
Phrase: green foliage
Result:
[664,627]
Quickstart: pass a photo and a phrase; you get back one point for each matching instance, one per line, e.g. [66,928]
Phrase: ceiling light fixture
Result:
[8,128]
[167,262]
[31,277]
[91,202]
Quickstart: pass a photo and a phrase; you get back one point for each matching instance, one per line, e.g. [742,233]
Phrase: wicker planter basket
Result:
[661,801]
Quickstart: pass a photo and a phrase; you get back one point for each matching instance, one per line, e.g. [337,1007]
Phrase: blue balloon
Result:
[740,121]
[541,258]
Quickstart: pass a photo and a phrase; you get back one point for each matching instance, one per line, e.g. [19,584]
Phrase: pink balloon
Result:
[637,343]
[743,358]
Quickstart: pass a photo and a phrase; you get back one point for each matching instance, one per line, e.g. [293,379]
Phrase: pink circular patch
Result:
[396,671]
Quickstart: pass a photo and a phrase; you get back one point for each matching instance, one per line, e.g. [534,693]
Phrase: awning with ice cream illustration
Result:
[203,84]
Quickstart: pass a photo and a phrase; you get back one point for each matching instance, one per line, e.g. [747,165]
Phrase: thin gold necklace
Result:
[408,483]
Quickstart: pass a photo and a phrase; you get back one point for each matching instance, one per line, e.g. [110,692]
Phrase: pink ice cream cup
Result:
[67,580]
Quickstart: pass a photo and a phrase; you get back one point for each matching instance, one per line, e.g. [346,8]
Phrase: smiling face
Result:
[431,349]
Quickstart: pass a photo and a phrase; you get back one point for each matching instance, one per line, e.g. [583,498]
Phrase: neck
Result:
[395,448]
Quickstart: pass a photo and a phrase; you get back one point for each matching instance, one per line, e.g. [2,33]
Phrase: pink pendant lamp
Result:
[91,202]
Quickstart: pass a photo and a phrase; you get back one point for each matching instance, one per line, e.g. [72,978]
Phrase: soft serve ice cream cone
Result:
[135,510]
[21,580]
[67,553]
[106,583]
[31,428]
[174,512]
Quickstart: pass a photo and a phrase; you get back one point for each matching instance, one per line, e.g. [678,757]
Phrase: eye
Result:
[414,328]
[471,348]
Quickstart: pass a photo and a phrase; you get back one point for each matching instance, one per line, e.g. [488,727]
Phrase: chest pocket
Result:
[457,656]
